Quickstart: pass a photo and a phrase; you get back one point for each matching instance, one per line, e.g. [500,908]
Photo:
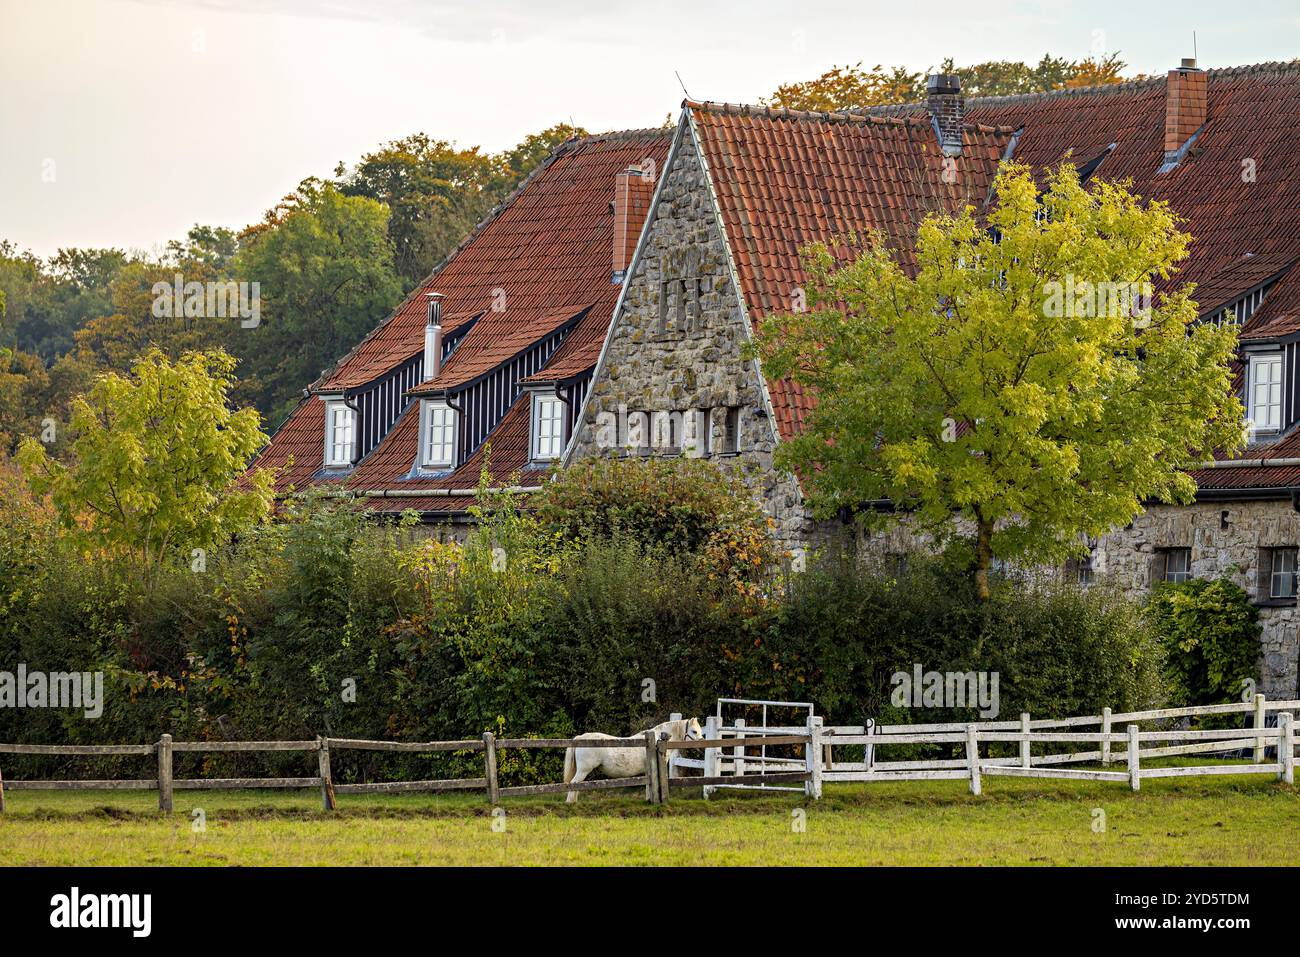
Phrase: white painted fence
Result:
[1105,746]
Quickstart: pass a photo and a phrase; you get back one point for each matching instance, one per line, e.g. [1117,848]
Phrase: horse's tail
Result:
[570,765]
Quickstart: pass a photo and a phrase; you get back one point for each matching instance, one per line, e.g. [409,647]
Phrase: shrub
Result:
[845,632]
[686,505]
[1210,632]
[439,641]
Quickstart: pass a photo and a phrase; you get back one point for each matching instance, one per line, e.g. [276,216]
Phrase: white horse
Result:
[579,763]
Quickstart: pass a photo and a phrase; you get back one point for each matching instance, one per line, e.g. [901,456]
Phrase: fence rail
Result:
[728,759]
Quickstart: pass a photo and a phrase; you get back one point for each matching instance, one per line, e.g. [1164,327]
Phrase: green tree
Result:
[325,272]
[511,166]
[434,191]
[49,301]
[437,192]
[1008,381]
[852,87]
[157,460]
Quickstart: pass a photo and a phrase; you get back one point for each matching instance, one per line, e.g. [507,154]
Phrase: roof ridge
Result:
[620,135]
[865,114]
[1104,89]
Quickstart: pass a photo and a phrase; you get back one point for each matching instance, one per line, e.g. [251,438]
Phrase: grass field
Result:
[1208,821]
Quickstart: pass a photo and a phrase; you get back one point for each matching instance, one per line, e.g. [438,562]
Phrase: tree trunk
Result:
[983,557]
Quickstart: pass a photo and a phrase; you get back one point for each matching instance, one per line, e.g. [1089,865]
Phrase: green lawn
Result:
[1221,820]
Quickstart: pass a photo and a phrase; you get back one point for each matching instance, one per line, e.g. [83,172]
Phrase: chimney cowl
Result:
[947,110]
[947,83]
[1189,63]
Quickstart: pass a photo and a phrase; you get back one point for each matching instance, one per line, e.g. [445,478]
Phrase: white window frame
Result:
[1282,574]
[333,407]
[551,446]
[1264,373]
[1181,574]
[434,413]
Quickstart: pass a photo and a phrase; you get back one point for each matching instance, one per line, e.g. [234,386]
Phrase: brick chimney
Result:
[947,110]
[433,337]
[633,189]
[1184,108]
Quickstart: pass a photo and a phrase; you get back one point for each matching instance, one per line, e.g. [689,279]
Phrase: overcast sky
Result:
[124,122]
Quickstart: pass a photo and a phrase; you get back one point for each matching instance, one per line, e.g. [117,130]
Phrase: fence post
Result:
[2,793]
[1259,725]
[672,758]
[1024,745]
[662,771]
[165,773]
[1134,768]
[1285,749]
[973,758]
[813,759]
[738,752]
[327,801]
[490,767]
[651,769]
[710,754]
[1105,730]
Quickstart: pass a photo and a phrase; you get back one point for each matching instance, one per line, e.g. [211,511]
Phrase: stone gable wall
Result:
[676,347]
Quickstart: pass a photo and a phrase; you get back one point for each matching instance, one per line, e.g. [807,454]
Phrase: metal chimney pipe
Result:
[433,337]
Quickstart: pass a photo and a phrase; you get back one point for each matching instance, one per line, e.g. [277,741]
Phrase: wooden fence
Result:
[656,781]
[730,758]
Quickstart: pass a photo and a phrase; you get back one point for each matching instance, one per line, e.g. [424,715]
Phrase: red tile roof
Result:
[496,339]
[541,258]
[298,446]
[785,178]
[579,352]
[1236,187]
[384,468]
[545,250]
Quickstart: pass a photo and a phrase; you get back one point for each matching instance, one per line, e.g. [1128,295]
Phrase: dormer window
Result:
[1264,393]
[548,426]
[437,435]
[340,433]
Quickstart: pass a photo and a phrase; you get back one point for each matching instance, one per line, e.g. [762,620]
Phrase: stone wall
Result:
[1225,539]
[675,347]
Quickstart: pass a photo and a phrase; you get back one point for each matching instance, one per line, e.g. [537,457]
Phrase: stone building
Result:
[604,307]
[746,188]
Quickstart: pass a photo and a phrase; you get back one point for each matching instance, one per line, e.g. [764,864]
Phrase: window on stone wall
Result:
[731,430]
[1277,574]
[1173,565]
[1081,571]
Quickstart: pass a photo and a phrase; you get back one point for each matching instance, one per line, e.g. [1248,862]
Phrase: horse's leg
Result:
[579,775]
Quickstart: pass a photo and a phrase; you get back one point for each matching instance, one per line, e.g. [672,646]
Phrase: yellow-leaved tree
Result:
[1021,377]
[157,458]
